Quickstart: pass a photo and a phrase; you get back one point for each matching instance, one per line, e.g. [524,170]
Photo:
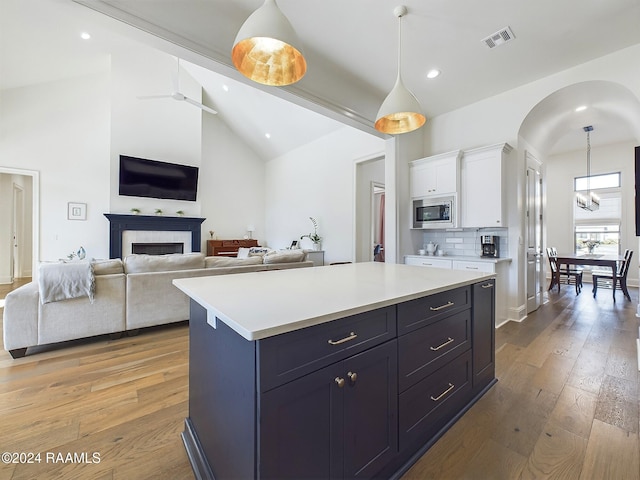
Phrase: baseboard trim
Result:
[6,280]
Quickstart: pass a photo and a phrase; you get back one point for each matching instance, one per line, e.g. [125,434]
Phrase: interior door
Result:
[16,248]
[534,235]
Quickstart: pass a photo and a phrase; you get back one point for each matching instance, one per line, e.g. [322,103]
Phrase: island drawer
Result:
[429,348]
[423,311]
[427,406]
[285,357]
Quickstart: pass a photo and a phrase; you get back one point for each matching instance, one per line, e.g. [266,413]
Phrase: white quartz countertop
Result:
[262,304]
[464,258]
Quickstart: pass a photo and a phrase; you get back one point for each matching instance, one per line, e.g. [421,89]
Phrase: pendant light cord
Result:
[399,45]
[588,163]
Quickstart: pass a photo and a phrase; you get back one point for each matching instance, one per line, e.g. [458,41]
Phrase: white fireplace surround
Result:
[129,237]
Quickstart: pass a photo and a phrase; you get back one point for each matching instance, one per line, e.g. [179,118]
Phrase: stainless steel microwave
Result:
[434,212]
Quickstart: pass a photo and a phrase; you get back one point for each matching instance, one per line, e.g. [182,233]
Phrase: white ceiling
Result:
[351,48]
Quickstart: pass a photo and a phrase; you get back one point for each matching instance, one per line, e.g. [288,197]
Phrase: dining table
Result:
[599,260]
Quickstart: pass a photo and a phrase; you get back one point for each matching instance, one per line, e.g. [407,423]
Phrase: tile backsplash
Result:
[465,242]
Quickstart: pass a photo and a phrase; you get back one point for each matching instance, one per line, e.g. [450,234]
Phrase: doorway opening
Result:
[369,209]
[19,218]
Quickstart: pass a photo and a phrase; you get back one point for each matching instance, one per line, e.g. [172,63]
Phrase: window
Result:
[595,182]
[598,232]
[600,239]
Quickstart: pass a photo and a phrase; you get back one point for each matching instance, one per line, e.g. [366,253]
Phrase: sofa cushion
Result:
[139,263]
[107,267]
[284,256]
[215,262]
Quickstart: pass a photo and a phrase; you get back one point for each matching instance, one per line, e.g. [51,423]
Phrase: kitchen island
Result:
[344,371]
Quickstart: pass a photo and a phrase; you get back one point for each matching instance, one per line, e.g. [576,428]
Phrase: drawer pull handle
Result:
[487,285]
[343,340]
[339,381]
[353,376]
[471,268]
[446,305]
[451,387]
[449,340]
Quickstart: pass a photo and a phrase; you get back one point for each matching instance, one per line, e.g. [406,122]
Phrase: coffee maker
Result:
[489,245]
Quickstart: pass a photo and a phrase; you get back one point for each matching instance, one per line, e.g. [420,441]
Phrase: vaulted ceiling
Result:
[351,46]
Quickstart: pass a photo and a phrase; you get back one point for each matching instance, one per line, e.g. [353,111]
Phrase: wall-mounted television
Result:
[140,177]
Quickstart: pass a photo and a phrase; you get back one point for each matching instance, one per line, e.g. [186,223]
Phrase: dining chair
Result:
[620,273]
[573,275]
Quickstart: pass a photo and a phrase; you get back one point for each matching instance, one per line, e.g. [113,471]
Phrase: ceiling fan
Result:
[176,95]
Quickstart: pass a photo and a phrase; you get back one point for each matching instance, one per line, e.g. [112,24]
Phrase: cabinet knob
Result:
[352,376]
[339,381]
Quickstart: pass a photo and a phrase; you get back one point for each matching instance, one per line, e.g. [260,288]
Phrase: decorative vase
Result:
[317,246]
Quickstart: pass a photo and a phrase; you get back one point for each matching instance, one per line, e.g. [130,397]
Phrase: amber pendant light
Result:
[267,49]
[400,112]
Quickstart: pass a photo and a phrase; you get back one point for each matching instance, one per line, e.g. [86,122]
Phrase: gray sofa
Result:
[129,295]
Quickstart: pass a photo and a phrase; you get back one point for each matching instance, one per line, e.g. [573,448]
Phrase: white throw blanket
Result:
[62,281]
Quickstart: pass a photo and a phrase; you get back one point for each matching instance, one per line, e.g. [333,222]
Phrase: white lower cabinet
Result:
[484,267]
[423,261]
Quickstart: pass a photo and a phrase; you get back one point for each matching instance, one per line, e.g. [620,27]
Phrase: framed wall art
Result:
[76,211]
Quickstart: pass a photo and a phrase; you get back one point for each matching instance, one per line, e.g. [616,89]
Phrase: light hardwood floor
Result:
[566,404]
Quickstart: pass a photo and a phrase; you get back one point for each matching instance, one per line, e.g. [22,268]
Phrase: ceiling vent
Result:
[503,35]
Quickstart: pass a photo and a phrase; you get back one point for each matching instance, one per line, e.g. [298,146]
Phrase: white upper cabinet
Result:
[435,176]
[482,186]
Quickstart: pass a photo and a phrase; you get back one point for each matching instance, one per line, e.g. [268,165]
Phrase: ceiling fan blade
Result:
[199,105]
[151,97]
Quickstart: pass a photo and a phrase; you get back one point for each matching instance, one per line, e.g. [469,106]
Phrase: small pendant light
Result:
[267,49]
[400,112]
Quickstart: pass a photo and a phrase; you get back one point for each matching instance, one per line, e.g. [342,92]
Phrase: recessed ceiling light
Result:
[581,108]
[433,73]
[85,36]
[268,135]
[225,87]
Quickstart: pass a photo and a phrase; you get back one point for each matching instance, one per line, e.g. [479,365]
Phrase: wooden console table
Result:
[228,248]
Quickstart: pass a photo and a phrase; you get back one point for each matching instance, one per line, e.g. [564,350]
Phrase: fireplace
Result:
[157,248]
[152,229]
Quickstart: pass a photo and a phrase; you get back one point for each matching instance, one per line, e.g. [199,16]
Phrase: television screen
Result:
[150,178]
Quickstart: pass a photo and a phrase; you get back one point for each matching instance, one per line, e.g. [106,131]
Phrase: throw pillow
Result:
[139,263]
[285,256]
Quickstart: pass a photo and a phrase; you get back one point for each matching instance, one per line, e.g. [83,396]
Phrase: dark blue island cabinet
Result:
[359,397]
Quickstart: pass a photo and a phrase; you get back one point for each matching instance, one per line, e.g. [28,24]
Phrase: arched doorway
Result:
[552,128]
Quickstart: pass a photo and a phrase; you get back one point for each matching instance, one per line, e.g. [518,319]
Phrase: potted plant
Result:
[591,245]
[314,237]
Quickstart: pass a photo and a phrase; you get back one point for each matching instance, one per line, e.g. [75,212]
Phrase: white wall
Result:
[560,197]
[232,190]
[61,129]
[159,129]
[317,181]
[72,132]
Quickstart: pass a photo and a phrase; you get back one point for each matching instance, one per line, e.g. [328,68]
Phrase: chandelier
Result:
[590,201]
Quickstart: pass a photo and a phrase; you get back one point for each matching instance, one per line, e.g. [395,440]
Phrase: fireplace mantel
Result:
[119,223]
